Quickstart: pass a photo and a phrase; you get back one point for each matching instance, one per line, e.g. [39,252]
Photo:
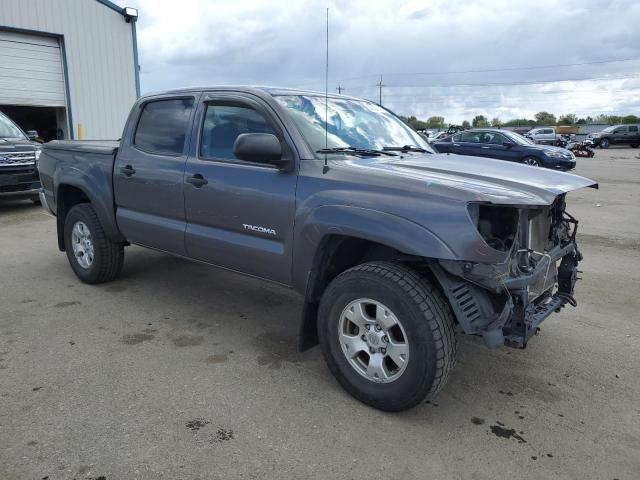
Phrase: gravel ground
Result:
[180,371]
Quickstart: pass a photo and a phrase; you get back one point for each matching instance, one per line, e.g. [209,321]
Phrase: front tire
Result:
[387,335]
[93,257]
[36,200]
[532,161]
[634,145]
[604,143]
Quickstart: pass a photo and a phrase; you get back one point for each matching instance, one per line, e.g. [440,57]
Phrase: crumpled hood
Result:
[479,179]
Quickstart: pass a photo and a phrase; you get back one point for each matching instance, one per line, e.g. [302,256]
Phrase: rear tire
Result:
[93,257]
[532,161]
[423,330]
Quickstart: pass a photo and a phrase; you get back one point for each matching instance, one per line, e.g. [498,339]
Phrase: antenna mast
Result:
[326,100]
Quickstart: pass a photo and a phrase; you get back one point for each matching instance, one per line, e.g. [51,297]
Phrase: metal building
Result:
[68,68]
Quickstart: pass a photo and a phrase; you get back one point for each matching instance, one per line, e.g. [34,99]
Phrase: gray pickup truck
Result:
[394,248]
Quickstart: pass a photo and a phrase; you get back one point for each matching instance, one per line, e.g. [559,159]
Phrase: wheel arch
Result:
[70,193]
[339,249]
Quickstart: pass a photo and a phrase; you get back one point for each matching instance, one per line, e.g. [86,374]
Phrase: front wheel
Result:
[604,143]
[387,335]
[634,145]
[93,257]
[532,161]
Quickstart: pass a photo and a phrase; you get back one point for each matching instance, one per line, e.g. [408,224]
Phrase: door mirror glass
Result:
[259,148]
[507,144]
[32,134]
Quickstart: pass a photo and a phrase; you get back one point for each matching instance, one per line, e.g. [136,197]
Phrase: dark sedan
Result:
[506,145]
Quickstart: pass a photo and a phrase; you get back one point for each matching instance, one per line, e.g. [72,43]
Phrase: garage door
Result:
[30,70]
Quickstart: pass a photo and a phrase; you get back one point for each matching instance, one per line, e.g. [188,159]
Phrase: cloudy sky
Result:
[458,59]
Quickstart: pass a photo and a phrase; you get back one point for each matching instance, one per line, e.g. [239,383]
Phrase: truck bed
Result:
[103,147]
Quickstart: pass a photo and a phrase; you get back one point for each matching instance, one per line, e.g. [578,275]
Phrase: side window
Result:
[493,138]
[633,128]
[162,126]
[470,137]
[222,125]
[620,130]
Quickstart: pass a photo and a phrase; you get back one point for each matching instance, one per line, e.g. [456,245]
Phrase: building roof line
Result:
[112,6]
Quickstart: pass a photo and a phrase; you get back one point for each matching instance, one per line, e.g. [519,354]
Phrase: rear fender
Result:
[96,185]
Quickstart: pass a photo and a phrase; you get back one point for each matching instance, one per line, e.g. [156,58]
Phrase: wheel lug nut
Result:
[378,327]
[385,338]
[383,350]
[363,337]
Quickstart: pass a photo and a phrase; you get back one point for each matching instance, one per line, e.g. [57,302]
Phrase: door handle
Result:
[197,180]
[485,147]
[128,170]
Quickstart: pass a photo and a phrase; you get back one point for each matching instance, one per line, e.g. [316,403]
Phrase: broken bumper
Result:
[489,300]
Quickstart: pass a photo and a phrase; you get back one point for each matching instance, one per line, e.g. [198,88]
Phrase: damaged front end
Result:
[506,301]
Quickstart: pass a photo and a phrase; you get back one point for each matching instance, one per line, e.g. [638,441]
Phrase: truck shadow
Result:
[217,304]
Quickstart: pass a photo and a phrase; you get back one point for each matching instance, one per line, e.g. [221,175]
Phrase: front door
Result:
[239,214]
[148,174]
[493,146]
[620,135]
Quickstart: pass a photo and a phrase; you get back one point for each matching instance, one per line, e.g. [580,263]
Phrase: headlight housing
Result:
[36,154]
[557,154]
[496,224]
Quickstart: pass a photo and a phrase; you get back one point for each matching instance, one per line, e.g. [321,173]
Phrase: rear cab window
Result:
[163,125]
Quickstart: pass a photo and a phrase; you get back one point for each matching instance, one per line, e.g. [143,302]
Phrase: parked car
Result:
[506,145]
[557,136]
[438,136]
[391,245]
[617,135]
[18,162]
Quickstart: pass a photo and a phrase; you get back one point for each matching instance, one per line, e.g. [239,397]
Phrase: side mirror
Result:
[32,134]
[259,148]
[507,144]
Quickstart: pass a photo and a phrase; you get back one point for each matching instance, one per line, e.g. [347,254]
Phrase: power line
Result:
[501,69]
[536,82]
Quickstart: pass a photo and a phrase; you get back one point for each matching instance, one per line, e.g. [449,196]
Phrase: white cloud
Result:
[206,42]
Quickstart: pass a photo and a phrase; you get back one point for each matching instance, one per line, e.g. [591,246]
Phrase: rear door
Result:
[242,217]
[148,175]
[467,143]
[634,135]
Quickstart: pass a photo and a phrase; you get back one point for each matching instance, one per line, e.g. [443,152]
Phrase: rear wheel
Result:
[387,335]
[94,258]
[604,143]
[533,161]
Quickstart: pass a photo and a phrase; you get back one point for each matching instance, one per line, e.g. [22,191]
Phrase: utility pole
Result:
[339,89]
[379,85]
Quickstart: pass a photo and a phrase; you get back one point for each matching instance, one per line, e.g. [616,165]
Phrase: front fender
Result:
[387,229]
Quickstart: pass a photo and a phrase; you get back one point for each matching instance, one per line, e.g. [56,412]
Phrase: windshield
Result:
[9,130]
[517,138]
[610,129]
[352,124]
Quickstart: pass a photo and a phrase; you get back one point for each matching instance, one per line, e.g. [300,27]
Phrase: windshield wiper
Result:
[406,148]
[357,151]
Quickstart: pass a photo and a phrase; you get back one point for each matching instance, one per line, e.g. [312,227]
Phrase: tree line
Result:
[540,118]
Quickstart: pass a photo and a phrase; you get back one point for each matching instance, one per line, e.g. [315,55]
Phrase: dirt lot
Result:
[180,371]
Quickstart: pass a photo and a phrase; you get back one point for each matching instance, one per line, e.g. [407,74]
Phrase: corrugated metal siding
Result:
[30,70]
[99,53]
